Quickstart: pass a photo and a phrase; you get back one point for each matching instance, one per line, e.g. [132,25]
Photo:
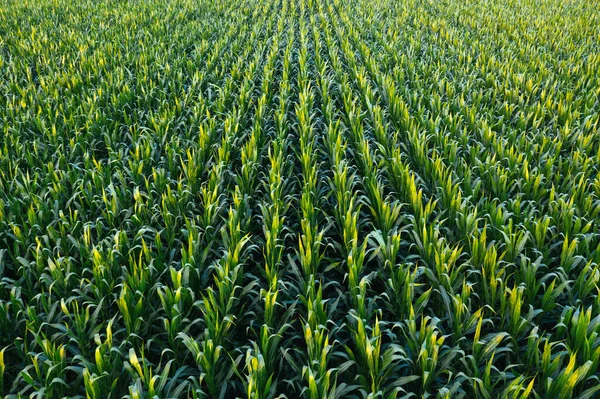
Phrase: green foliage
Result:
[299,199]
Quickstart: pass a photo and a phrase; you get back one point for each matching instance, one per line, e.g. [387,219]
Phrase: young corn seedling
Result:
[403,294]
[317,374]
[581,332]
[375,366]
[258,381]
[429,355]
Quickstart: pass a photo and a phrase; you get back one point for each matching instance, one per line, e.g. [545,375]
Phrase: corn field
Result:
[299,199]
